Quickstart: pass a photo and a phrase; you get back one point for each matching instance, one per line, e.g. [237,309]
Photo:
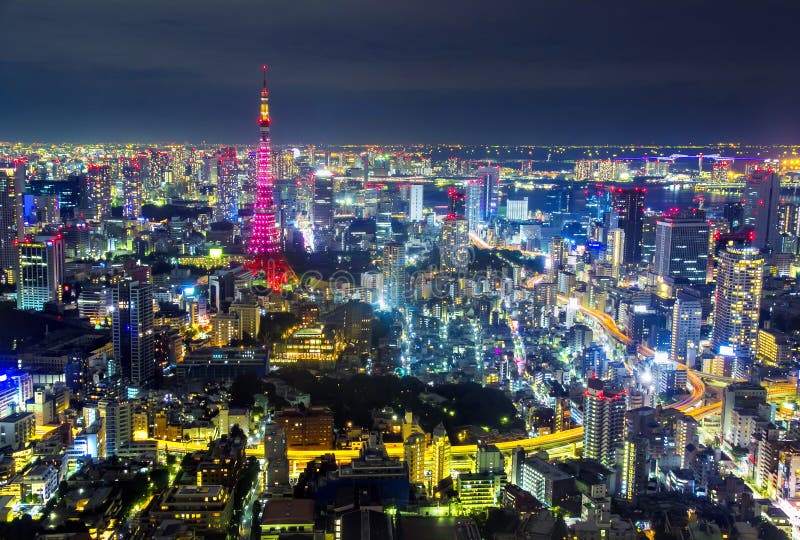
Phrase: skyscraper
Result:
[394,276]
[131,190]
[97,191]
[682,249]
[490,197]
[615,250]
[265,238]
[603,422]
[737,299]
[227,207]
[687,317]
[415,202]
[132,330]
[474,204]
[12,182]
[454,247]
[41,271]
[322,209]
[628,202]
[762,196]
[635,467]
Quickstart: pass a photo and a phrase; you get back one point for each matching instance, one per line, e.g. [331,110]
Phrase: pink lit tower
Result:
[264,246]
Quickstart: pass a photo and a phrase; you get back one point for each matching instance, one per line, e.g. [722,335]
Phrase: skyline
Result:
[357,72]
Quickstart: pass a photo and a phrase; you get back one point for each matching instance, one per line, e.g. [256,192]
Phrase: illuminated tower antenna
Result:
[265,238]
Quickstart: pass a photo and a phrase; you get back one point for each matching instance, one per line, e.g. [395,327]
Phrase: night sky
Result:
[353,71]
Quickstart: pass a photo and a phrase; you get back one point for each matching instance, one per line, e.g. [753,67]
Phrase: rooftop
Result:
[288,511]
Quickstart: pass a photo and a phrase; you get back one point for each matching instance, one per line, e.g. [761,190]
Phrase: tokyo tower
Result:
[264,246]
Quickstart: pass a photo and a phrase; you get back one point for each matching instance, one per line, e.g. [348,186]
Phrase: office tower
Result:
[473,203]
[265,238]
[415,202]
[682,249]
[558,254]
[322,209]
[687,317]
[41,271]
[490,181]
[394,273]
[649,239]
[414,451]
[603,422]
[456,202]
[12,183]
[117,417]
[441,452]
[517,210]
[131,190]
[97,192]
[628,202]
[635,467]
[716,229]
[227,206]
[615,251]
[275,457]
[737,299]
[132,330]
[454,246]
[762,196]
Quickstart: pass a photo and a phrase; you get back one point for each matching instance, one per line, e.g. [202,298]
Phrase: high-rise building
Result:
[474,203]
[441,452]
[490,181]
[635,467]
[275,457]
[322,209]
[131,190]
[117,417]
[737,299]
[97,191]
[558,254]
[762,196]
[649,239]
[615,251]
[687,318]
[132,330]
[738,400]
[41,271]
[454,247]
[12,182]
[265,238]
[628,202]
[603,422]
[682,249]
[414,450]
[394,273]
[227,206]
[415,202]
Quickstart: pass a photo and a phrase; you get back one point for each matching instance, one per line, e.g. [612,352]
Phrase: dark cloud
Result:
[356,71]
